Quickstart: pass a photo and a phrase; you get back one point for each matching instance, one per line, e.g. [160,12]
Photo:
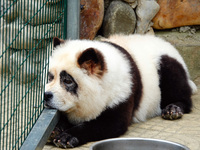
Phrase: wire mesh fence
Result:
[26,31]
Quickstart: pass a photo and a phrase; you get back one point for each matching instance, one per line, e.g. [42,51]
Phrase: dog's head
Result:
[74,77]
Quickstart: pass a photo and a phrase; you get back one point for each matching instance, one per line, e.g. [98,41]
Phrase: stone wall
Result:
[145,16]
[120,16]
[26,29]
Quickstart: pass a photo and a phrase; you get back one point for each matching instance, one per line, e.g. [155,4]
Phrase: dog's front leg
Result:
[108,125]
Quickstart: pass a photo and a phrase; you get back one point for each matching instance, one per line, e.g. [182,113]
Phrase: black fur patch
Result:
[91,54]
[136,78]
[57,41]
[93,61]
[68,82]
[174,84]
[50,77]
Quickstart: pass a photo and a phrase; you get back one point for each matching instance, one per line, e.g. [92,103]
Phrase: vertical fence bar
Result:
[73,19]
[65,19]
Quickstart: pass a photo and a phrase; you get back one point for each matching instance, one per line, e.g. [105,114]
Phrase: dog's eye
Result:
[70,85]
[67,81]
[50,77]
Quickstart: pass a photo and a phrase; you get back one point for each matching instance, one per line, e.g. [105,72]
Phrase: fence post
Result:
[72,19]
[65,19]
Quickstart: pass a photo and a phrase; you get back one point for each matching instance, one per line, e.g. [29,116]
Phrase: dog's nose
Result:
[48,96]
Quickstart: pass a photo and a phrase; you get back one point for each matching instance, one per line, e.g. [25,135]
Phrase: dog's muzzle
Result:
[47,99]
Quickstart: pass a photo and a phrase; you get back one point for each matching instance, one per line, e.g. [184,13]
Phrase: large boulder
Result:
[146,10]
[119,18]
[92,13]
[25,66]
[176,13]
[36,12]
[30,37]
[9,10]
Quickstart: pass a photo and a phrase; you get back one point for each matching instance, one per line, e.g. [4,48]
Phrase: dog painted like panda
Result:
[101,87]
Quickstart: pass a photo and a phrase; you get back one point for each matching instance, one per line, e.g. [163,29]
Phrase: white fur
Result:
[96,94]
[147,51]
[193,86]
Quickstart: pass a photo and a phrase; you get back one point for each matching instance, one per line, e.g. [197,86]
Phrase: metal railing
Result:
[26,31]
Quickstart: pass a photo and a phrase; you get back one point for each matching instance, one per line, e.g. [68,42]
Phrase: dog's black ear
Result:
[57,41]
[92,60]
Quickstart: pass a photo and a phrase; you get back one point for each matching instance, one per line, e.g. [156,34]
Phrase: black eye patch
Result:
[50,77]
[68,82]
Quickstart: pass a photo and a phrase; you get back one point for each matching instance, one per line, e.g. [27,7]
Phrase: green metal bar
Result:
[41,130]
[73,19]
[65,19]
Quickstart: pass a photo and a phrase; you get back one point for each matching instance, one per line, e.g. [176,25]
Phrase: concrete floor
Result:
[185,131]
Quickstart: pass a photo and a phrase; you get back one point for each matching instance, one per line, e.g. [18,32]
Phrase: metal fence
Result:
[26,31]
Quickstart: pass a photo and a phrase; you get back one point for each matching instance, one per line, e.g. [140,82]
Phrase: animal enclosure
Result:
[26,31]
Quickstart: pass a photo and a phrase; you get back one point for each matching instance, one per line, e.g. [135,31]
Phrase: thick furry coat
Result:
[101,87]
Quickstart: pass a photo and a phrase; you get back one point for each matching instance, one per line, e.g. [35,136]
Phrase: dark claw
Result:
[73,142]
[65,140]
[56,143]
[54,133]
[172,112]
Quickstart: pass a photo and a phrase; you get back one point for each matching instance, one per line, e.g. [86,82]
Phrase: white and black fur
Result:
[101,87]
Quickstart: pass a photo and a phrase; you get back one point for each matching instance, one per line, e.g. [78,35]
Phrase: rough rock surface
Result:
[106,4]
[176,13]
[119,18]
[28,37]
[92,13]
[134,4]
[130,1]
[11,12]
[25,65]
[146,10]
[27,70]
[28,9]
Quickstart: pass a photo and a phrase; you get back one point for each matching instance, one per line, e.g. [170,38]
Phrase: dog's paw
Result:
[65,140]
[172,112]
[54,133]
